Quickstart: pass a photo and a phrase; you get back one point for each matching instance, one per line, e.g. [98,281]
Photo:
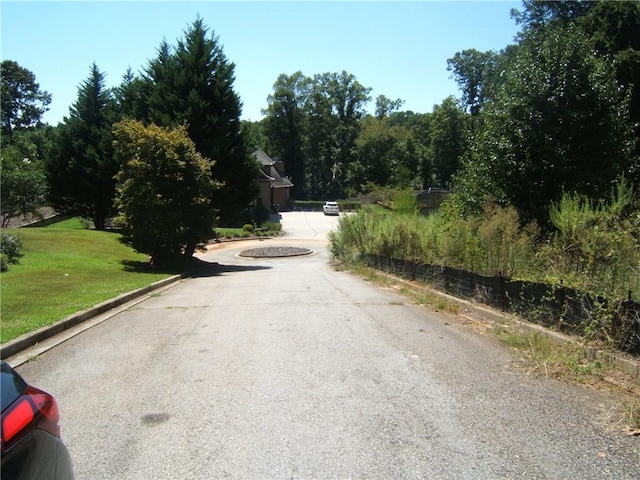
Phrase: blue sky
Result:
[398,49]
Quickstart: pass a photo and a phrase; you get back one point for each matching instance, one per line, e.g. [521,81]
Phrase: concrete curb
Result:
[475,311]
[30,339]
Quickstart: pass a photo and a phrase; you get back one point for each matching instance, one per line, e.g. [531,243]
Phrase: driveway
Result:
[308,225]
[286,368]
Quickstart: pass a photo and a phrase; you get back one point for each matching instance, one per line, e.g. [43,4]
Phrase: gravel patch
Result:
[270,252]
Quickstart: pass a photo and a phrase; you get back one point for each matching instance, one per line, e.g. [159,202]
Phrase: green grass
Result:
[229,232]
[66,268]
[268,229]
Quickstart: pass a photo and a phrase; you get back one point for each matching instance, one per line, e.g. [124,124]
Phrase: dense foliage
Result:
[332,148]
[23,185]
[25,143]
[595,246]
[164,191]
[22,103]
[313,124]
[82,165]
[555,113]
[192,84]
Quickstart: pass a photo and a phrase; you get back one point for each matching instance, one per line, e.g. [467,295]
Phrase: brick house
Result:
[274,186]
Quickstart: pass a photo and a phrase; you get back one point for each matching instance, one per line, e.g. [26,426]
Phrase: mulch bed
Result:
[270,252]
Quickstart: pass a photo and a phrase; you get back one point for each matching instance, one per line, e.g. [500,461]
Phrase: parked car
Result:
[31,443]
[331,208]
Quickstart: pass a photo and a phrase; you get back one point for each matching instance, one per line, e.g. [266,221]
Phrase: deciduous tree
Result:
[22,101]
[164,190]
[285,126]
[559,121]
[385,106]
[339,105]
[22,175]
[448,141]
[474,72]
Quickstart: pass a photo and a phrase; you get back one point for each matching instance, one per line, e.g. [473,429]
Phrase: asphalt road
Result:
[286,368]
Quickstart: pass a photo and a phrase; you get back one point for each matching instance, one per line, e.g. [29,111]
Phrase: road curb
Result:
[475,311]
[30,339]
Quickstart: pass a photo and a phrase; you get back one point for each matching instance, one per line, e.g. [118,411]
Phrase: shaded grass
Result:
[67,268]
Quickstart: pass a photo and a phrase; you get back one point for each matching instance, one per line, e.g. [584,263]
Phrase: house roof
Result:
[270,172]
[263,158]
[433,190]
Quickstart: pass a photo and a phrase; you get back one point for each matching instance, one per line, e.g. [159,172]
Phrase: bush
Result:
[595,250]
[247,227]
[595,246]
[10,250]
[164,191]
[405,202]
[272,227]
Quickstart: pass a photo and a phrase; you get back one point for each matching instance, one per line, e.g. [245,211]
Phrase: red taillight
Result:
[35,409]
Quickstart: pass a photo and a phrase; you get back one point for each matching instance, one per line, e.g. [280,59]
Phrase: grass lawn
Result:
[66,268]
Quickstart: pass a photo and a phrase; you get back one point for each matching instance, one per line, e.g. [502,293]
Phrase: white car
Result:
[331,208]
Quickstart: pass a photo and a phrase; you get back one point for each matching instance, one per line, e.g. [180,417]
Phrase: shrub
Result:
[595,247]
[405,202]
[272,227]
[247,227]
[507,248]
[10,250]
[164,191]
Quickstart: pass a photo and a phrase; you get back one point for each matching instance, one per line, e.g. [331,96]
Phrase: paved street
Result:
[285,368]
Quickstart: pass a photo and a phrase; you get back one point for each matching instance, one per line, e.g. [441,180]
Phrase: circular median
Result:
[275,252]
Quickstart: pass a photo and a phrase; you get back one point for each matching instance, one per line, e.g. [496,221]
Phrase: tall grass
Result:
[595,246]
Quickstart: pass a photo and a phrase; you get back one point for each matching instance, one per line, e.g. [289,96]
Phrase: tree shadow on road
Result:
[194,268]
[201,269]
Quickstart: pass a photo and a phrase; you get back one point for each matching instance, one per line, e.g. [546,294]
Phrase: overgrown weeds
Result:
[596,244]
[578,364]
[594,249]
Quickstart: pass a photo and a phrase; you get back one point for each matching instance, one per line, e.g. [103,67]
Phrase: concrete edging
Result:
[627,365]
[30,339]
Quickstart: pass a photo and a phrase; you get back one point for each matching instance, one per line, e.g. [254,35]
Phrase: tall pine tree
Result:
[192,84]
[82,166]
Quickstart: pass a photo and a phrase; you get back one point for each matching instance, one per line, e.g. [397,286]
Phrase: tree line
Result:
[163,153]
[333,148]
[556,111]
